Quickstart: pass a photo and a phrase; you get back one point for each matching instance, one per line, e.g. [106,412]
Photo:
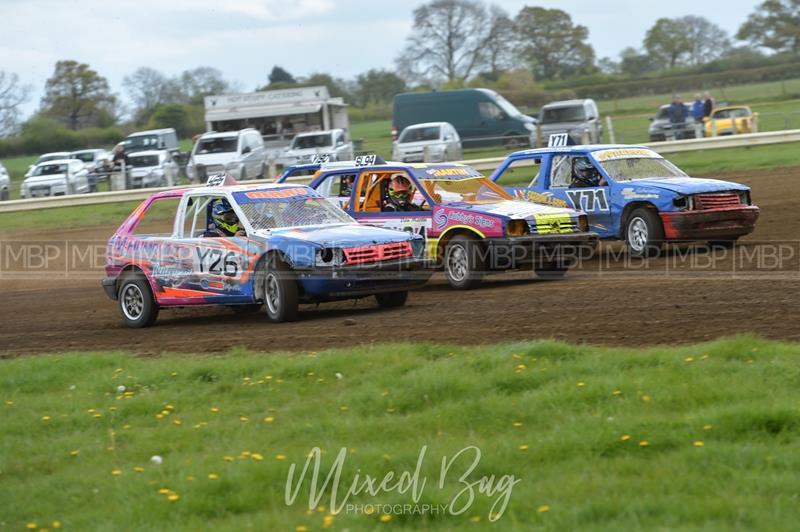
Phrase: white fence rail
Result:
[672,146]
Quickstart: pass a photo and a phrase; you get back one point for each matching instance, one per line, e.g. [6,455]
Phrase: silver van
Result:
[239,153]
[580,119]
[432,142]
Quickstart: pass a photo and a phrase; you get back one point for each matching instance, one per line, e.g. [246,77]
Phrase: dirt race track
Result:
[689,295]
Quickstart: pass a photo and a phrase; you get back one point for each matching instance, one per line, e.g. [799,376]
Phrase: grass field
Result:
[697,437]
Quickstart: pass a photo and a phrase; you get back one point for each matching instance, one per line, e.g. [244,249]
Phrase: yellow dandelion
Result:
[214,410]
[268,377]
[688,360]
[9,403]
[174,374]
[31,526]
[707,427]
[385,393]
[321,508]
[164,491]
[97,415]
[138,469]
[45,418]
[74,453]
[257,457]
[698,443]
[176,422]
[91,411]
[517,424]
[159,416]
[244,419]
[644,443]
[523,447]
[646,398]
[172,497]
[116,472]
[543,509]
[385,518]
[521,367]
[126,427]
[581,384]
[169,407]
[327,521]
[269,419]
[516,356]
[228,458]
[190,478]
[343,408]
[616,392]
[244,454]
[213,476]
[625,437]
[475,519]
[280,457]
[390,410]
[56,524]
[301,528]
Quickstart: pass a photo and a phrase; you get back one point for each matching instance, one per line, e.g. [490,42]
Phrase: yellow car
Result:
[724,119]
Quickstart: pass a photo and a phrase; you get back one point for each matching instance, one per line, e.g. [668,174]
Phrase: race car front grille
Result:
[717,201]
[377,253]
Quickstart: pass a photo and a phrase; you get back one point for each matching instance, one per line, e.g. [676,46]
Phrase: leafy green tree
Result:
[635,63]
[76,95]
[280,75]
[552,44]
[775,24]
[147,88]
[378,86]
[667,42]
[199,82]
[173,115]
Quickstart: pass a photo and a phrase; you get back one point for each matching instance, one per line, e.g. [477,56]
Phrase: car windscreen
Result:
[471,190]
[273,212]
[555,115]
[50,169]
[630,169]
[86,157]
[141,142]
[45,158]
[507,107]
[142,161]
[305,142]
[217,145]
[663,113]
[419,134]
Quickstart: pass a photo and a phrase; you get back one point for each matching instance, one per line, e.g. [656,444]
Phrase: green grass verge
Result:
[697,437]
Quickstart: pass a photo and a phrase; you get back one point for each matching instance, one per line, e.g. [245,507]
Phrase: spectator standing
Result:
[708,105]
[677,115]
[698,112]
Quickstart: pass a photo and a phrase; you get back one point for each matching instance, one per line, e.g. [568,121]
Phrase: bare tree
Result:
[499,41]
[12,95]
[146,87]
[448,41]
[707,41]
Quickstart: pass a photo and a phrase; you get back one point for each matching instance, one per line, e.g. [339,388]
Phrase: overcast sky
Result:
[245,38]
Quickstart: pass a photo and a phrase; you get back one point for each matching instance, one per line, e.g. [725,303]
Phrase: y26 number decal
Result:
[217,262]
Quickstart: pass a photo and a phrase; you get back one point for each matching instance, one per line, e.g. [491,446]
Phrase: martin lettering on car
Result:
[630,178]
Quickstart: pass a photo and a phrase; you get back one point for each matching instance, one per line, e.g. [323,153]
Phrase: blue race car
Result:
[631,193]
[289,246]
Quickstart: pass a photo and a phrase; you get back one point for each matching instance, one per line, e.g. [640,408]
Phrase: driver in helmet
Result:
[399,196]
[225,223]
[584,174]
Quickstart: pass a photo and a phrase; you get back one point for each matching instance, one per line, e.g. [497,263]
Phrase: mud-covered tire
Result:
[281,299]
[644,233]
[137,306]
[392,299]
[464,264]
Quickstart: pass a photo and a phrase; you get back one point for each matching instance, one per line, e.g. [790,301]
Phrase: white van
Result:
[240,153]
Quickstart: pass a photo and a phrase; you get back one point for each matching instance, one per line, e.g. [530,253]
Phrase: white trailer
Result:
[279,115]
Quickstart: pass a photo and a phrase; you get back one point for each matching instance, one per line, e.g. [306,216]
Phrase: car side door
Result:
[594,201]
[221,267]
[367,197]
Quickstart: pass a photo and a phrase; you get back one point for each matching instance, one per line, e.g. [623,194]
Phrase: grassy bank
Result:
[699,437]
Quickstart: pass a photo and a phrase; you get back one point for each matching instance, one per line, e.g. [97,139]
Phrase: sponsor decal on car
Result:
[625,153]
[629,193]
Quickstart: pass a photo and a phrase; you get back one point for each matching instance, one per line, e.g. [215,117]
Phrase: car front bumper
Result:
[709,224]
[110,287]
[513,252]
[363,279]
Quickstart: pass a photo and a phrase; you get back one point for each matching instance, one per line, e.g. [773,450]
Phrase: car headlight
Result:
[328,257]
[744,197]
[517,228]
[683,202]
[530,126]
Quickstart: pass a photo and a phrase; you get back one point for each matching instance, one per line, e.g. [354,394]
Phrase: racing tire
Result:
[644,233]
[391,299]
[280,291]
[246,309]
[137,306]
[464,263]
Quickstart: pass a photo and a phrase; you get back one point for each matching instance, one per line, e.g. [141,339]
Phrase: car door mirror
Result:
[246,150]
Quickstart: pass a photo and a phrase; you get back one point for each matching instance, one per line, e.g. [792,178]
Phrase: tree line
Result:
[453,43]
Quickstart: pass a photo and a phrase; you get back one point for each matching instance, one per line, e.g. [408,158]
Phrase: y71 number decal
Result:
[589,200]
[217,262]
